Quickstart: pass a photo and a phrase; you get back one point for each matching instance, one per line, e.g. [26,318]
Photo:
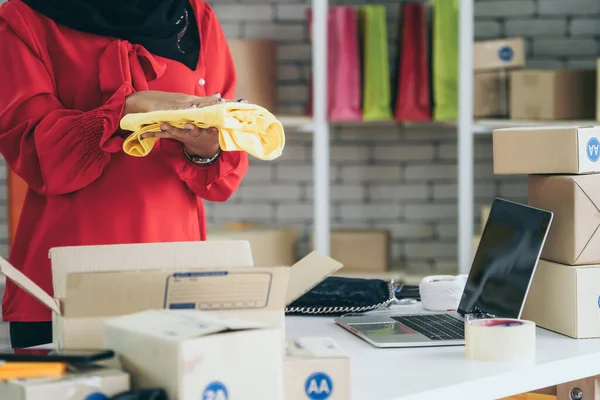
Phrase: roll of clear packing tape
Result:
[442,292]
[500,339]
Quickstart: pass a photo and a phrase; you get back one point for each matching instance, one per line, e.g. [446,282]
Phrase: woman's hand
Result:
[152,100]
[197,141]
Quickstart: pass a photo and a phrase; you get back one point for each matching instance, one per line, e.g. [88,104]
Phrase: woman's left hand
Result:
[197,141]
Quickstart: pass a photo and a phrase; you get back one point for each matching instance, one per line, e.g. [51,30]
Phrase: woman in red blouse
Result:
[70,71]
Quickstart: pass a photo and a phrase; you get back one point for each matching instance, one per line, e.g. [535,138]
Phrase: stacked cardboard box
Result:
[361,251]
[552,94]
[563,164]
[493,59]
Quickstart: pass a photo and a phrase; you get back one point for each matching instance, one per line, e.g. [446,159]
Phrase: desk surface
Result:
[445,373]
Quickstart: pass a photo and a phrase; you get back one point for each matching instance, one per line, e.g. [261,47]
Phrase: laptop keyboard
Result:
[435,326]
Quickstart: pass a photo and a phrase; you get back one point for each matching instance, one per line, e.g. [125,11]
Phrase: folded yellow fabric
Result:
[242,127]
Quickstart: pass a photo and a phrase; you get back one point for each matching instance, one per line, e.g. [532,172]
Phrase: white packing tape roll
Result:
[500,339]
[442,292]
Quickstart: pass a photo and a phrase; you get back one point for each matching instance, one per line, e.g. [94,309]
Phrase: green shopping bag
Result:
[445,59]
[377,96]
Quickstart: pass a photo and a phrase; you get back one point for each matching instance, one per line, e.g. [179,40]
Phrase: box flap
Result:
[145,257]
[308,273]
[28,285]
[178,325]
[119,293]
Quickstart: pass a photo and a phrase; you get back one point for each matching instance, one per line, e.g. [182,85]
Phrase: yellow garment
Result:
[242,126]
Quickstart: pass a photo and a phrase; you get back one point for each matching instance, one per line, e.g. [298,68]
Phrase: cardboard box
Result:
[316,368]
[547,150]
[485,214]
[361,250]
[564,299]
[552,95]
[256,70]
[498,54]
[490,94]
[574,237]
[80,385]
[198,355]
[96,282]
[271,246]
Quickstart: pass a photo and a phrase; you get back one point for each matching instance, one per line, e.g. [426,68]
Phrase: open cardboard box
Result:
[92,283]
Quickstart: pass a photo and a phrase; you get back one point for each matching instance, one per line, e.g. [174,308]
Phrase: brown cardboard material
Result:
[256,69]
[316,367]
[271,246]
[547,150]
[490,94]
[93,283]
[361,250]
[499,54]
[74,386]
[574,237]
[198,355]
[552,95]
[564,299]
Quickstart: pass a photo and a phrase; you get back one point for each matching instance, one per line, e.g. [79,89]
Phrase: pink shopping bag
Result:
[343,66]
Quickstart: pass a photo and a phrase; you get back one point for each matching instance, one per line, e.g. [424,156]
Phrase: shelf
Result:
[486,126]
[480,126]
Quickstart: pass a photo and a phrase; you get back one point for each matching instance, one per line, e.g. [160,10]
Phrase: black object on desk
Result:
[142,394]
[407,292]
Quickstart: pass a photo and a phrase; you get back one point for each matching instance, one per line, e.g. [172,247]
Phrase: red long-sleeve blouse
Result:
[61,99]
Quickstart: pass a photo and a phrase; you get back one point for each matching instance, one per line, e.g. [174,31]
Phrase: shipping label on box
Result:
[197,355]
[316,368]
[547,150]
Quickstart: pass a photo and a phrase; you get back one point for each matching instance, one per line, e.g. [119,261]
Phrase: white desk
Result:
[444,373]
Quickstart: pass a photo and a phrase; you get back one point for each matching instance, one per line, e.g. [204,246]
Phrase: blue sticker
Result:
[96,396]
[215,391]
[598,301]
[318,386]
[506,53]
[593,149]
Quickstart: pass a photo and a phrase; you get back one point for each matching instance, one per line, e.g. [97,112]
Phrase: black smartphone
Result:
[48,355]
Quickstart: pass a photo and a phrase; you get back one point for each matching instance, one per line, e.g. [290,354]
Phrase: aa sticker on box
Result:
[319,386]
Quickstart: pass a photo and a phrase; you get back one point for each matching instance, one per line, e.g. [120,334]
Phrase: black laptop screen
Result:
[505,260]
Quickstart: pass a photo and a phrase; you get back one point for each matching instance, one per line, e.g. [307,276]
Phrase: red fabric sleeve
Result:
[55,150]
[218,181]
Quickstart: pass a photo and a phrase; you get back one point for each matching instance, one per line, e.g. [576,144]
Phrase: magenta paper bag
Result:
[343,66]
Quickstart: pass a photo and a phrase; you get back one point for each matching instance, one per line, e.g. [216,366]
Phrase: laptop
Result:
[497,285]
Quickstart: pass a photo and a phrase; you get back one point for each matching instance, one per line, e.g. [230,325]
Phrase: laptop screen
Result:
[505,260]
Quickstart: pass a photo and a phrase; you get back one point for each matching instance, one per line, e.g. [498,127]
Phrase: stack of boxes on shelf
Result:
[492,62]
[503,88]
[563,164]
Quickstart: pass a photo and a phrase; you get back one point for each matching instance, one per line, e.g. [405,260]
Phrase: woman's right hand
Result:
[152,100]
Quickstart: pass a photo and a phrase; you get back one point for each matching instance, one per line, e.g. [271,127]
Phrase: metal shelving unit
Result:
[319,127]
[466,129]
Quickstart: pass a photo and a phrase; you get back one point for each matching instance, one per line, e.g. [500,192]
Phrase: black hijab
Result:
[166,28]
